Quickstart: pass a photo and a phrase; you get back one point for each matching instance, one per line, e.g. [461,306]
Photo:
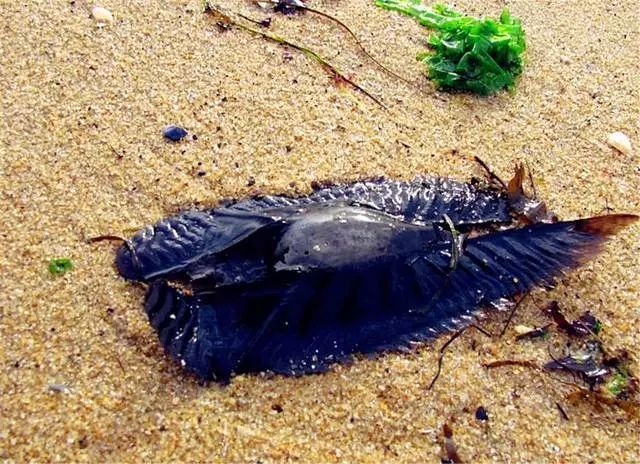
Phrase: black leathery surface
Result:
[292,285]
[177,241]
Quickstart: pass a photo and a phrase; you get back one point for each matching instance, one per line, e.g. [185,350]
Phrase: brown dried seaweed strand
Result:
[446,345]
[511,362]
[563,413]
[492,175]
[126,242]
[330,68]
[360,46]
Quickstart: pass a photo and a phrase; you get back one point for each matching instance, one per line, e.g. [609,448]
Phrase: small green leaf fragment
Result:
[597,328]
[59,266]
[618,383]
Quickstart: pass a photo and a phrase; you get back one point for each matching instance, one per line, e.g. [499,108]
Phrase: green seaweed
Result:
[597,328]
[59,266]
[618,382]
[470,54]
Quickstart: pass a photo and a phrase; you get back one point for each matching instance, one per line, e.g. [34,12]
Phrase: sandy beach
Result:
[83,377]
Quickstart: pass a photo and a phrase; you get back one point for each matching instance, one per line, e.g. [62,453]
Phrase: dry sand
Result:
[82,154]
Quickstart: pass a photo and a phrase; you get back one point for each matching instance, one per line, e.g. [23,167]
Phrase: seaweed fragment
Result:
[585,362]
[618,387]
[607,375]
[511,362]
[444,347]
[470,54]
[293,6]
[293,285]
[562,412]
[59,266]
[586,324]
[330,68]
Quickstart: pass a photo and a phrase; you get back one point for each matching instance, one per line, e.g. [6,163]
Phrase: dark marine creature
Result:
[292,285]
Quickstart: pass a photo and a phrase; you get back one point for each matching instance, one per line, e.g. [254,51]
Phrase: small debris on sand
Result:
[174,133]
[102,16]
[620,142]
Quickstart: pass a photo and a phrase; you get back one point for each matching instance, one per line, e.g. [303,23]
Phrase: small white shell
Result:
[102,16]
[620,142]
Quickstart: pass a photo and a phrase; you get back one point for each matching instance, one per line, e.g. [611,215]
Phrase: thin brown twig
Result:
[490,173]
[449,342]
[564,415]
[251,20]
[513,311]
[529,365]
[330,68]
[511,362]
[127,243]
[106,238]
[120,364]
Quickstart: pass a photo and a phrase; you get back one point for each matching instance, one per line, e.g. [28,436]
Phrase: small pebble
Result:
[620,142]
[102,16]
[481,414]
[58,388]
[174,133]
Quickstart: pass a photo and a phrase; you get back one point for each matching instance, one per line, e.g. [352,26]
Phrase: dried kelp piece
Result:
[586,324]
[294,285]
[511,362]
[598,398]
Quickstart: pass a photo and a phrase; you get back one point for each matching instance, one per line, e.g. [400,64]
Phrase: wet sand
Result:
[81,154]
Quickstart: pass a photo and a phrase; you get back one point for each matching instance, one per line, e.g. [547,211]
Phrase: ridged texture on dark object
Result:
[422,199]
[301,322]
[168,247]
